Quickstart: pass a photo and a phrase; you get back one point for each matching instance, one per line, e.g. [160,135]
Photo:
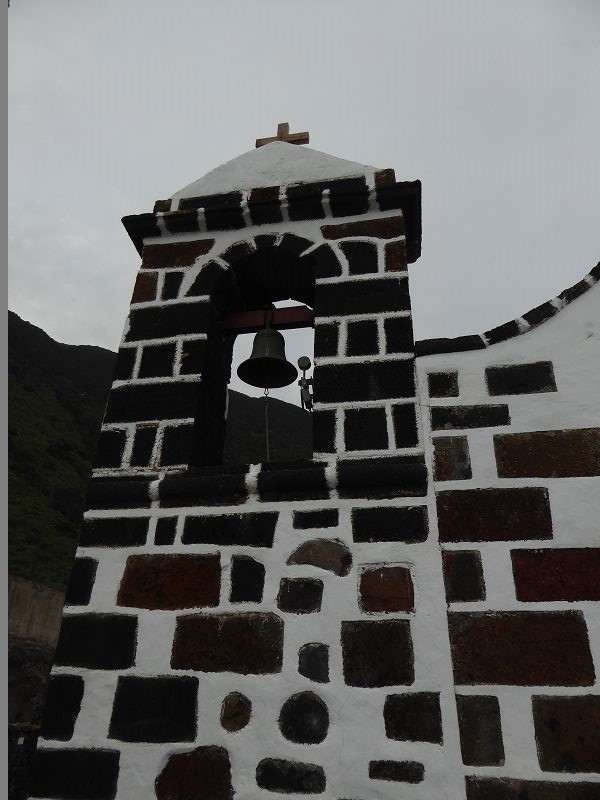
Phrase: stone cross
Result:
[284,135]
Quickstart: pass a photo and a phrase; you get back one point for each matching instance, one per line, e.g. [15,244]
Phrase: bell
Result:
[267,367]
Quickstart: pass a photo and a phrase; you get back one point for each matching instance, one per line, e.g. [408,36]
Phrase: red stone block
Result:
[182,254]
[386,589]
[564,574]
[548,454]
[386,228]
[480,788]
[395,256]
[521,648]
[170,582]
[145,287]
[567,730]
[205,772]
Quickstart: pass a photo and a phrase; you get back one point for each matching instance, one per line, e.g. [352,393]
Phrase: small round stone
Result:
[304,718]
[235,712]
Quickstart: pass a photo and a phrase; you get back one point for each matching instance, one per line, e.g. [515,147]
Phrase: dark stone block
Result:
[448,418]
[165,530]
[401,771]
[180,221]
[97,641]
[549,454]
[290,243]
[158,322]
[376,478]
[235,712]
[567,732]
[181,254]
[451,460]
[414,717]
[143,446]
[386,524]
[205,767]
[361,297]
[494,515]
[479,788]
[326,340]
[463,576]
[144,289]
[443,384]
[117,532]
[207,487]
[305,201]
[76,774]
[502,332]
[154,709]
[313,662]
[375,380]
[246,530]
[480,730]
[325,262]
[221,211]
[327,518]
[573,292]
[146,402]
[377,653]
[363,339]
[248,643]
[300,595]
[171,581]
[81,582]
[540,313]
[171,285]
[404,418]
[157,361]
[398,335]
[265,205]
[63,702]
[192,356]
[264,240]
[460,344]
[362,257]
[236,252]
[209,276]
[521,378]
[304,719]
[117,493]
[329,554]
[247,580]
[395,255]
[176,445]
[365,429]
[324,431]
[383,228]
[348,196]
[295,481]
[290,777]
[109,451]
[569,573]
[125,363]
[522,648]
[386,589]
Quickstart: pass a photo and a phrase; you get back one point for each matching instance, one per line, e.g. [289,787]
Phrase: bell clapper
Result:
[305,383]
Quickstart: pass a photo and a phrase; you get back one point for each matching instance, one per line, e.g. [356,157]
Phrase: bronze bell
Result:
[267,366]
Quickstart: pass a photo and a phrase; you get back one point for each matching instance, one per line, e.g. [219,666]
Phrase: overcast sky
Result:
[493,104]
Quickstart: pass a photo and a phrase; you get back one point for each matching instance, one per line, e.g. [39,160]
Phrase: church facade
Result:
[413,611]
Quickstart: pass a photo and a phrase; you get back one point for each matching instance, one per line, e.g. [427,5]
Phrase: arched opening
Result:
[229,427]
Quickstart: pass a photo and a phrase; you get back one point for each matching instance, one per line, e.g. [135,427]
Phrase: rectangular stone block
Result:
[386,228]
[171,581]
[479,788]
[387,524]
[110,447]
[549,454]
[401,771]
[326,518]
[361,257]
[375,380]
[97,641]
[567,731]
[145,287]
[114,532]
[569,574]
[451,461]
[520,378]
[161,322]
[463,576]
[494,515]
[144,402]
[379,478]
[404,419]
[362,338]
[76,774]
[414,717]
[398,335]
[377,653]
[62,706]
[443,384]
[81,582]
[182,254]
[154,709]
[522,648]
[248,530]
[480,730]
[450,418]
[365,429]
[361,297]
[249,644]
[386,589]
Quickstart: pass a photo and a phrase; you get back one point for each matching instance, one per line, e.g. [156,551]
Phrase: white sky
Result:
[493,104]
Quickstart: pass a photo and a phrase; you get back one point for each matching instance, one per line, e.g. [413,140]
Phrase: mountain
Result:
[56,399]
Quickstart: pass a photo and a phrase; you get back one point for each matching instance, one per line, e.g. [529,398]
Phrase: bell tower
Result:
[260,629]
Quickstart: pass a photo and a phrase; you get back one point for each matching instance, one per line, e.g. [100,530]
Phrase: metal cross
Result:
[284,135]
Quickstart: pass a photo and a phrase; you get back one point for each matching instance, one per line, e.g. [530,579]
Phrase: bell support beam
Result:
[288,318]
